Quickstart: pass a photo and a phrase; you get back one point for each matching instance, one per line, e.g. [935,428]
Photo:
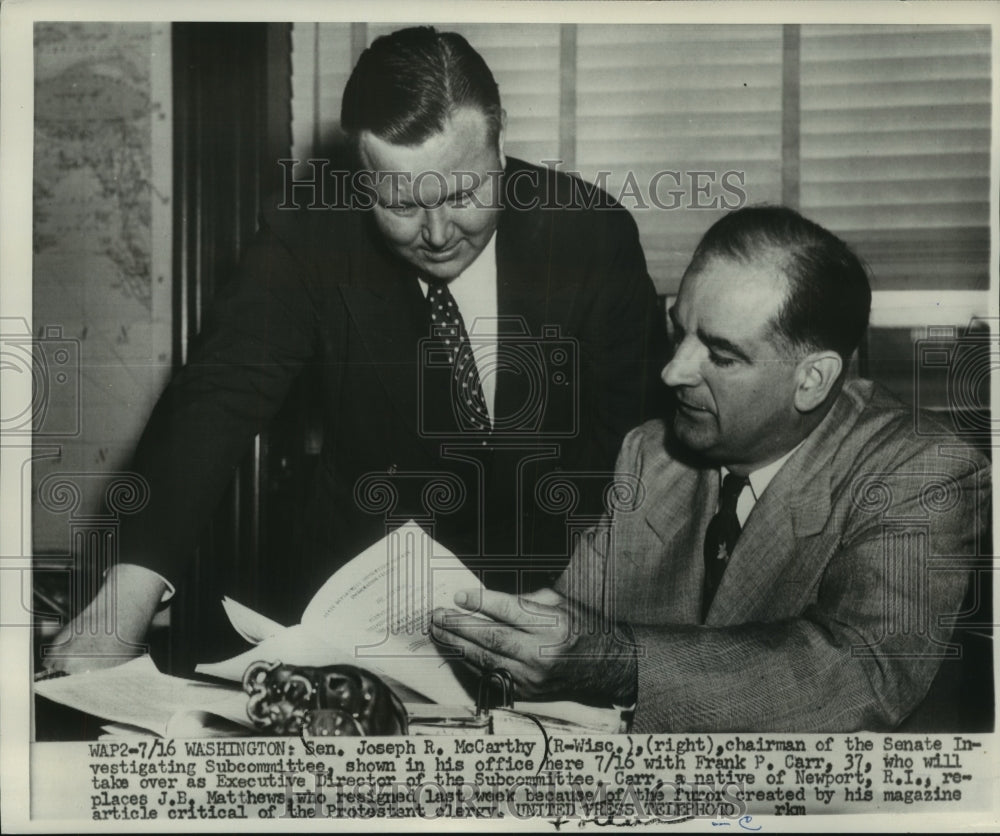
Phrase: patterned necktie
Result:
[467,400]
[721,536]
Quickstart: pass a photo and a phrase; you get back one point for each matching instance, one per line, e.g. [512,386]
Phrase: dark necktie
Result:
[466,398]
[721,536]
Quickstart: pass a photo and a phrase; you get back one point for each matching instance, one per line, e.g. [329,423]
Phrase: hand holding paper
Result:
[550,646]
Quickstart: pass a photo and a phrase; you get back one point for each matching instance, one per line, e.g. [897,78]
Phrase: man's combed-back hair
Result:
[829,296]
[406,85]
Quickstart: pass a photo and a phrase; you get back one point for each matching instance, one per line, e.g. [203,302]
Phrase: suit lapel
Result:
[673,591]
[386,304]
[763,558]
[534,280]
[773,562]
[520,265]
[533,290]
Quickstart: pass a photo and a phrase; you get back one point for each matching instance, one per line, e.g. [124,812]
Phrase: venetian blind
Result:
[893,131]
[524,59]
[895,145]
[322,60]
[698,101]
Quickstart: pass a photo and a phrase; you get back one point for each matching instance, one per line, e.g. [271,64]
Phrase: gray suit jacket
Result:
[829,614]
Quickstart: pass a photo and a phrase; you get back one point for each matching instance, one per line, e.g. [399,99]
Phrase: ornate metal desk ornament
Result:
[332,701]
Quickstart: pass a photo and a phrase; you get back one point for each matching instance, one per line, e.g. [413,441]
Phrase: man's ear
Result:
[816,375]
[500,137]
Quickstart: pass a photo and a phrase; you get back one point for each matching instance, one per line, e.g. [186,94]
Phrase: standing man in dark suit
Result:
[788,547]
[478,323]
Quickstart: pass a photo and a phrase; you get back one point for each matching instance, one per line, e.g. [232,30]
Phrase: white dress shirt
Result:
[759,480]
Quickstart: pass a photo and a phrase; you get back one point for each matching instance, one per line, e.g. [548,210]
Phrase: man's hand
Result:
[551,647]
[112,628]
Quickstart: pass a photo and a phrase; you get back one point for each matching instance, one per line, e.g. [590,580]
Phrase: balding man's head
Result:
[828,295]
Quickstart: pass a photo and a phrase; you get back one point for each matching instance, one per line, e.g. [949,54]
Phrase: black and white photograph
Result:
[506,416]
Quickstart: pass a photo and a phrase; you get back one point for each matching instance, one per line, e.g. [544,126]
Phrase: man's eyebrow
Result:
[404,202]
[722,344]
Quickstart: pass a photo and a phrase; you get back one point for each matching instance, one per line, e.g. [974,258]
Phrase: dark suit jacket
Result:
[828,616]
[318,286]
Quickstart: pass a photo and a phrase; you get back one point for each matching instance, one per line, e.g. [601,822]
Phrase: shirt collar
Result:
[483,269]
[761,478]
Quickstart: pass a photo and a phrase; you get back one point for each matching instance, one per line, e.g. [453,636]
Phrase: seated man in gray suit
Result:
[770,568]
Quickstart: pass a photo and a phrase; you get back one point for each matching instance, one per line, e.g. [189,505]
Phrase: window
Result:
[895,149]
[881,133]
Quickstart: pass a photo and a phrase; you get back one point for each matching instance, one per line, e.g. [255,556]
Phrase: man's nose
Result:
[684,368]
[437,226]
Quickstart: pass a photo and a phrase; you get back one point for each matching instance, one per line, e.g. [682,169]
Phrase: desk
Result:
[138,695]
